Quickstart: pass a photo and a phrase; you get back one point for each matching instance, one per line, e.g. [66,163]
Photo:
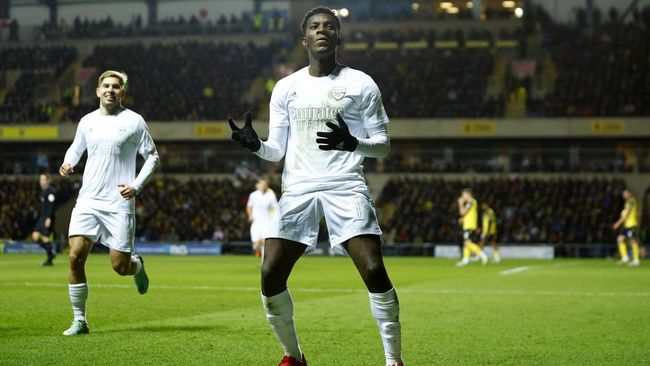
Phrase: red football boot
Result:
[292,361]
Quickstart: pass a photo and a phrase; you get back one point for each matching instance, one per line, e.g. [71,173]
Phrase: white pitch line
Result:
[354,291]
[515,270]
[525,268]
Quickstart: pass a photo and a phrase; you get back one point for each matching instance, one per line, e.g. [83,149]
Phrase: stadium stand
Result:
[602,69]
[413,210]
[19,203]
[422,73]
[559,210]
[172,210]
[272,21]
[191,80]
[35,67]
[443,83]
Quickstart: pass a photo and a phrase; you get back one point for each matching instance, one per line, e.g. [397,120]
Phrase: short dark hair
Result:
[319,10]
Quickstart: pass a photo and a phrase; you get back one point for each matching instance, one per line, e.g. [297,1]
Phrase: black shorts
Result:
[40,227]
[490,237]
[471,235]
[628,233]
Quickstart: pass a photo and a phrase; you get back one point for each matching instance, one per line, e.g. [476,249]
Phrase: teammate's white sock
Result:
[78,295]
[385,309]
[279,312]
[137,262]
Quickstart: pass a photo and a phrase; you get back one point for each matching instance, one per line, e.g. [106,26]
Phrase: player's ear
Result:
[97,92]
[338,41]
[304,41]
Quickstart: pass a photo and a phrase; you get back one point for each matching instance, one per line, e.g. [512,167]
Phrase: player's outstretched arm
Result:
[272,149]
[246,135]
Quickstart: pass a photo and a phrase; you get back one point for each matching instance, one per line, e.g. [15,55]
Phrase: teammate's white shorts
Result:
[347,214]
[115,230]
[261,230]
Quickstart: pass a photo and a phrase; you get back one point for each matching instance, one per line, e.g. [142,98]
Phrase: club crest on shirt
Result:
[338,92]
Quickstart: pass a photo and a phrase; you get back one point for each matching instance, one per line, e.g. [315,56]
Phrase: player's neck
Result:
[109,111]
[322,67]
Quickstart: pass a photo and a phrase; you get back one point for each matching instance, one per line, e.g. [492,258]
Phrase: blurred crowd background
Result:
[433,61]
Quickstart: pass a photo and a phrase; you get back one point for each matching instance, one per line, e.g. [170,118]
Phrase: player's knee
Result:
[76,261]
[374,272]
[121,268]
[267,271]
[272,273]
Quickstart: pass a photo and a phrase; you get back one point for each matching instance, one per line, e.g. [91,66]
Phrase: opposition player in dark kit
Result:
[43,233]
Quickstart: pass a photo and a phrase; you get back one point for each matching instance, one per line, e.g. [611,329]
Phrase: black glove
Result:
[339,139]
[246,135]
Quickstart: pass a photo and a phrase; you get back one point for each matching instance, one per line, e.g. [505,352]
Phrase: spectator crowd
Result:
[600,65]
[191,80]
[529,210]
[414,210]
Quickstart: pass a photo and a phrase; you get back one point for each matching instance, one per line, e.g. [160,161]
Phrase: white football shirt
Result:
[112,143]
[305,103]
[264,206]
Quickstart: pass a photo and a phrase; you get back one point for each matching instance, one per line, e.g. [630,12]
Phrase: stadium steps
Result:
[257,92]
[549,74]
[67,78]
[258,86]
[516,103]
[12,77]
[496,81]
[58,114]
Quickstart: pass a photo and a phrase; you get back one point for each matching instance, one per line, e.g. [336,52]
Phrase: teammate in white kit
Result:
[104,211]
[325,118]
[262,211]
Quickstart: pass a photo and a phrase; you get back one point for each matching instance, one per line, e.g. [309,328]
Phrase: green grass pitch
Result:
[207,311]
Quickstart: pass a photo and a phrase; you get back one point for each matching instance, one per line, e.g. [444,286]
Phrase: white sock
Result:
[385,309]
[279,312]
[78,295]
[137,262]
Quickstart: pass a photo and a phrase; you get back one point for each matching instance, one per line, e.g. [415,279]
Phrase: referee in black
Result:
[44,228]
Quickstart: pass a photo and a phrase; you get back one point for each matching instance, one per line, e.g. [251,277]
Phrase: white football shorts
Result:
[347,214]
[115,230]
[261,230]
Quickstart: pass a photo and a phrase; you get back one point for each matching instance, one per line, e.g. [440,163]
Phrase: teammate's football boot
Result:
[141,279]
[292,361]
[77,327]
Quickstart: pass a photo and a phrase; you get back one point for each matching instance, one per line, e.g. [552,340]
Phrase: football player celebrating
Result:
[105,209]
[325,119]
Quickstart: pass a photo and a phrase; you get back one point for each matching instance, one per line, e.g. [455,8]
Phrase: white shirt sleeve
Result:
[372,107]
[374,117]
[76,150]
[147,149]
[274,148]
[377,145]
